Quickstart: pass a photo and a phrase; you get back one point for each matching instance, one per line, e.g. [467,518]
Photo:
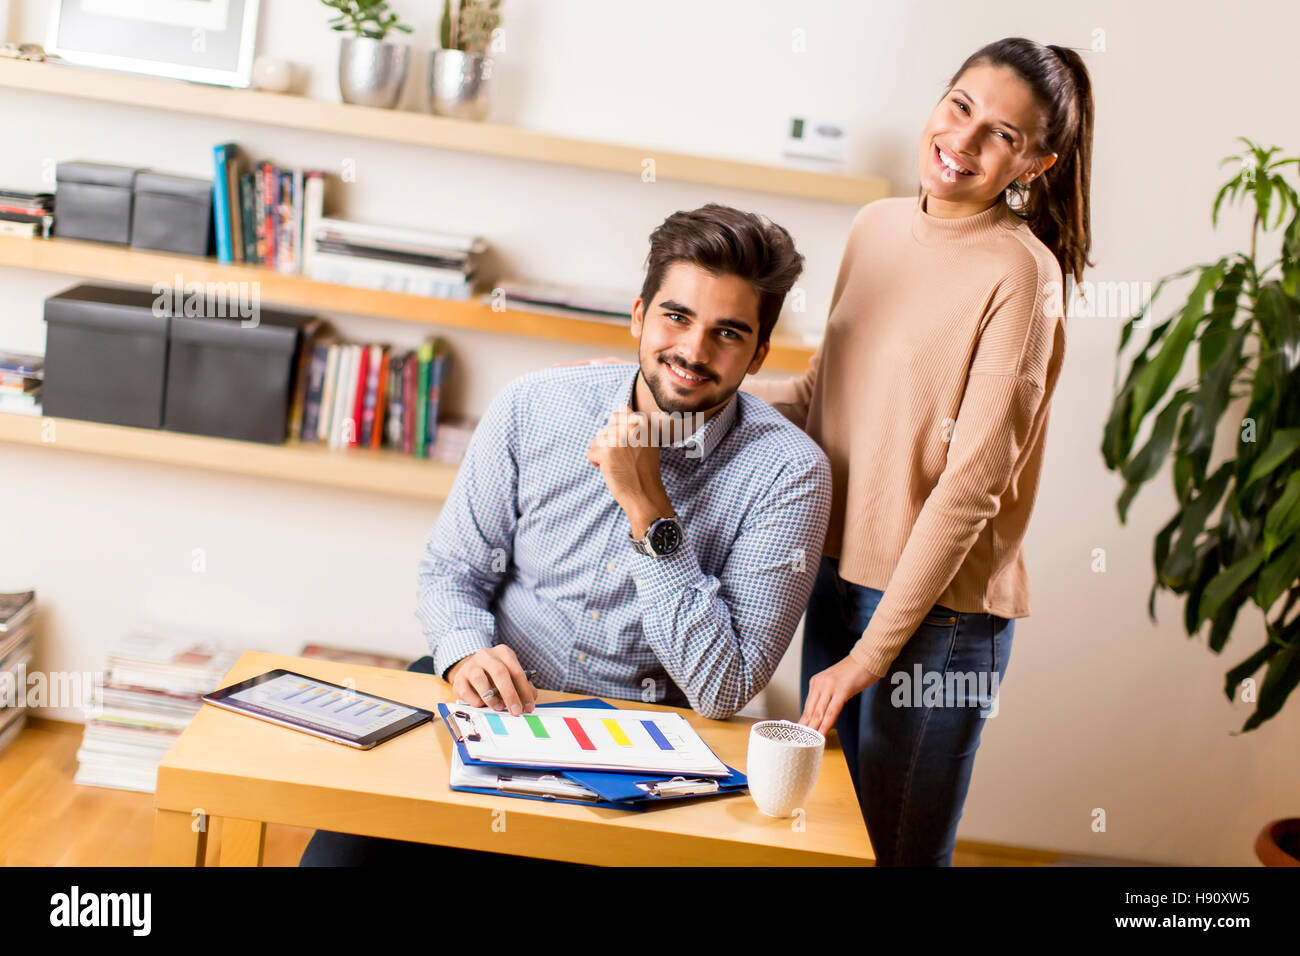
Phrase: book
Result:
[232,200]
[410,376]
[22,363]
[388,276]
[381,400]
[315,386]
[359,396]
[370,400]
[270,202]
[420,238]
[313,211]
[259,214]
[437,369]
[222,157]
[16,607]
[248,223]
[324,424]
[306,346]
[425,358]
[20,230]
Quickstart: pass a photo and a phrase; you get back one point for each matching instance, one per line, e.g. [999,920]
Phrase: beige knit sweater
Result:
[929,394]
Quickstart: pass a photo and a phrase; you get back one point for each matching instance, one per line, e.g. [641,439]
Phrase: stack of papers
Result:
[584,752]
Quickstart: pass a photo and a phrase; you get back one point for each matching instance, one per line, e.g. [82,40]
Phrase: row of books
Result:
[21,378]
[16,634]
[152,691]
[261,210]
[26,214]
[275,217]
[372,396]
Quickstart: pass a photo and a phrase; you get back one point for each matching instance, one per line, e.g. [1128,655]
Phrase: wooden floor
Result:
[47,820]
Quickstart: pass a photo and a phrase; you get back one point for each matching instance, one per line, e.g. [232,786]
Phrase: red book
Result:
[381,398]
[408,403]
[269,183]
[359,405]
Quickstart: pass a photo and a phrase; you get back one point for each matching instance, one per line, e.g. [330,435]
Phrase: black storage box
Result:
[172,213]
[93,201]
[105,356]
[232,380]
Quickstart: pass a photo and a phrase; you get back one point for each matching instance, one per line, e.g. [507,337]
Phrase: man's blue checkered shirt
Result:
[532,551]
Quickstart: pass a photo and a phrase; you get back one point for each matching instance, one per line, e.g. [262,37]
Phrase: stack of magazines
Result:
[414,261]
[16,609]
[26,215]
[21,376]
[570,301]
[152,692]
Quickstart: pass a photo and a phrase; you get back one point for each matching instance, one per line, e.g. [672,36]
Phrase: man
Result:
[644,532]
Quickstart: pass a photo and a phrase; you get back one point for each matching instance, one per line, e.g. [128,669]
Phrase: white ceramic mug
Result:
[782,766]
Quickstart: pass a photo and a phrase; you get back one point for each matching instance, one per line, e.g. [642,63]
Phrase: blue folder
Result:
[616,789]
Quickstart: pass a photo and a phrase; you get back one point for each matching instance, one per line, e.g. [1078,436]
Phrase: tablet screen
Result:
[319,706]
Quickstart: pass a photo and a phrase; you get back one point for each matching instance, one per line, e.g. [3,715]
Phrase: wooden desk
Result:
[251,773]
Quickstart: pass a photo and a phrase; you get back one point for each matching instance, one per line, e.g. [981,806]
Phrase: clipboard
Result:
[621,790]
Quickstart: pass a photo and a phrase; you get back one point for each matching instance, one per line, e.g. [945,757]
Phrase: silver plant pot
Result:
[458,84]
[371,72]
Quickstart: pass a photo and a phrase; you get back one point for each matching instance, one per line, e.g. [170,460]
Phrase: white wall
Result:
[1101,709]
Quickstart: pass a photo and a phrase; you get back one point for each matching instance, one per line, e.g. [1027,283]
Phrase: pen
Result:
[492,691]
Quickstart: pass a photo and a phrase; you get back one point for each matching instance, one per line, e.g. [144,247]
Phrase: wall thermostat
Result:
[810,138]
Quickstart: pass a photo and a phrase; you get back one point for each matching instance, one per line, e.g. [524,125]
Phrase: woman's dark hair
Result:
[726,241]
[1054,204]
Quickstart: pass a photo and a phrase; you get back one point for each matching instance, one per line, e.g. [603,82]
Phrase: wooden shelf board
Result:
[420,129]
[382,471]
[93,260]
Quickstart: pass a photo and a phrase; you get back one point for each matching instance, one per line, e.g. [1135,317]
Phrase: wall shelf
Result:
[382,471]
[421,129]
[94,260]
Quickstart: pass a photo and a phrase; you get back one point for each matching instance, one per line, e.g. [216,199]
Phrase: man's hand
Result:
[629,459]
[472,677]
[831,689]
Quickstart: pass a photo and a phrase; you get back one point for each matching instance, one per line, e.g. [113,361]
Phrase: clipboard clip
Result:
[453,720]
[680,787]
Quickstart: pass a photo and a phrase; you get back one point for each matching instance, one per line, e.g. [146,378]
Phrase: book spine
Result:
[395,389]
[259,214]
[437,371]
[381,401]
[422,398]
[248,223]
[299,202]
[410,374]
[324,430]
[284,223]
[299,403]
[359,398]
[221,201]
[313,212]
[232,204]
[269,181]
[315,385]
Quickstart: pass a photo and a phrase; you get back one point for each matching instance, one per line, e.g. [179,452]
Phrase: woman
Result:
[930,396]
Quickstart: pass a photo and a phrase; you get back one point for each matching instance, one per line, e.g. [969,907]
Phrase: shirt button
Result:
[610,566]
[581,656]
[595,615]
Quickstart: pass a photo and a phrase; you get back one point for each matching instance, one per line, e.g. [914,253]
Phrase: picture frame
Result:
[204,41]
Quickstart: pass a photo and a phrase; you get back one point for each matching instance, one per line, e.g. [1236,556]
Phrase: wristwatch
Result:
[662,538]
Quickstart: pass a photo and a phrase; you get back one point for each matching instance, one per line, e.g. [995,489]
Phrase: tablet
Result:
[318,707]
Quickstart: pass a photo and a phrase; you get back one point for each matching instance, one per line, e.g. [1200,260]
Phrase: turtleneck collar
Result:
[933,230]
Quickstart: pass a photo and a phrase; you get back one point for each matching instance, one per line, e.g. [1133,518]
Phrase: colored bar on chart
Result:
[656,734]
[535,725]
[497,724]
[616,732]
[579,734]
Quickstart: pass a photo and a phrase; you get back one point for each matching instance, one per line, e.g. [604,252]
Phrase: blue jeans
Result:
[910,738]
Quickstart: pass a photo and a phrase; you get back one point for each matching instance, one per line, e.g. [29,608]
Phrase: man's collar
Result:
[697,442]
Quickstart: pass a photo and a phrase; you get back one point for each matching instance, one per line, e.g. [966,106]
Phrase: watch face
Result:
[666,537]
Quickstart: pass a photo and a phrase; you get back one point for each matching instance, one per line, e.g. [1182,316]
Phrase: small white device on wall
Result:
[819,140]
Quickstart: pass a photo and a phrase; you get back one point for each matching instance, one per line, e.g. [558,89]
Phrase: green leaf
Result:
[1284,516]
[1155,378]
[1280,574]
[1176,571]
[1143,466]
[1247,668]
[1226,583]
[1280,679]
[1282,447]
[1160,553]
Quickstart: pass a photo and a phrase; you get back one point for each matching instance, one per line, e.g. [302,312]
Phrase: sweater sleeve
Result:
[999,418]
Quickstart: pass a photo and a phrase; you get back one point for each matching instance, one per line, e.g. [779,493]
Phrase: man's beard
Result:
[667,401]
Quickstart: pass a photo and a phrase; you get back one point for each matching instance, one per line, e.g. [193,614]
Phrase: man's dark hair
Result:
[726,241]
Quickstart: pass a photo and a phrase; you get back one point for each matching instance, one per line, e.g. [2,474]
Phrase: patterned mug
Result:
[783,763]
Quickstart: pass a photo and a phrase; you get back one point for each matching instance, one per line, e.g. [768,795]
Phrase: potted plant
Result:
[371,69]
[460,70]
[1235,536]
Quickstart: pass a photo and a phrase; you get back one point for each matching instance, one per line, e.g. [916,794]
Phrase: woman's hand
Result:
[831,689]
